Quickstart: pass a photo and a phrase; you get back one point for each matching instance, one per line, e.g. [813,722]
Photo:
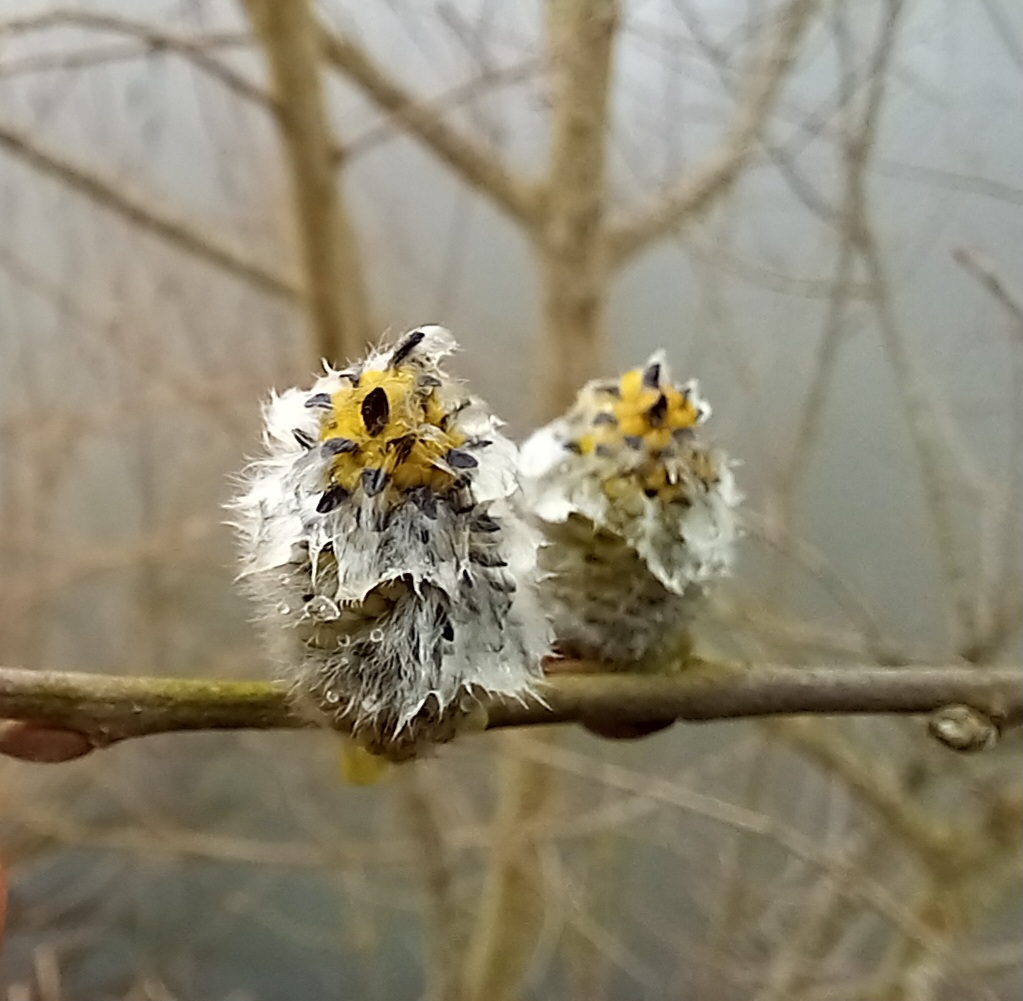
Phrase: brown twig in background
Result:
[699,188]
[142,210]
[979,267]
[150,38]
[476,165]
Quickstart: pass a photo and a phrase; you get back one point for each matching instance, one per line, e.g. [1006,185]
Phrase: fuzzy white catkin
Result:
[383,545]
[638,515]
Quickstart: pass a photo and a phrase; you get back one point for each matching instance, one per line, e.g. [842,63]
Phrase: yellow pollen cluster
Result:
[394,424]
[640,414]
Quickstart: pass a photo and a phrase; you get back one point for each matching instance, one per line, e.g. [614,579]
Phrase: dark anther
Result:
[701,414]
[321,401]
[304,438]
[652,375]
[412,340]
[447,631]
[633,441]
[375,410]
[479,443]
[338,446]
[402,446]
[431,381]
[604,451]
[656,413]
[373,481]
[505,583]
[682,434]
[424,535]
[573,446]
[484,523]
[650,492]
[308,597]
[424,499]
[611,388]
[482,558]
[460,460]
[332,497]
[605,417]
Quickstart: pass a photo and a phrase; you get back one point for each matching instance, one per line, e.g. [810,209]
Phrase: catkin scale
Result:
[638,516]
[382,544]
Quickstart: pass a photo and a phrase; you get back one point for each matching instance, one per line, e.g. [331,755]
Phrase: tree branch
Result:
[475,164]
[713,179]
[111,708]
[140,210]
[152,38]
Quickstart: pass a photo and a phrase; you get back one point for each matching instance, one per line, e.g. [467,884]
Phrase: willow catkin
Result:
[639,515]
[381,542]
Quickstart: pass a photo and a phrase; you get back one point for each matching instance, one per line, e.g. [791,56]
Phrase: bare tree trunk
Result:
[571,252]
[571,245]
[332,269]
[512,910]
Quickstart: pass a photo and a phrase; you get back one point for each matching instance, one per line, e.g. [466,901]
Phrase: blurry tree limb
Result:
[110,708]
[513,901]
[757,97]
[418,801]
[869,780]
[571,249]
[140,209]
[984,271]
[152,39]
[570,243]
[475,164]
[489,80]
[337,298]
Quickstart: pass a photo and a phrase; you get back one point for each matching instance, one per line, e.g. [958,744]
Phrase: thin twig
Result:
[151,38]
[700,188]
[979,267]
[476,165]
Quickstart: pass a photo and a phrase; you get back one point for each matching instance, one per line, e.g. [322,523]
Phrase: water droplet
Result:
[322,609]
